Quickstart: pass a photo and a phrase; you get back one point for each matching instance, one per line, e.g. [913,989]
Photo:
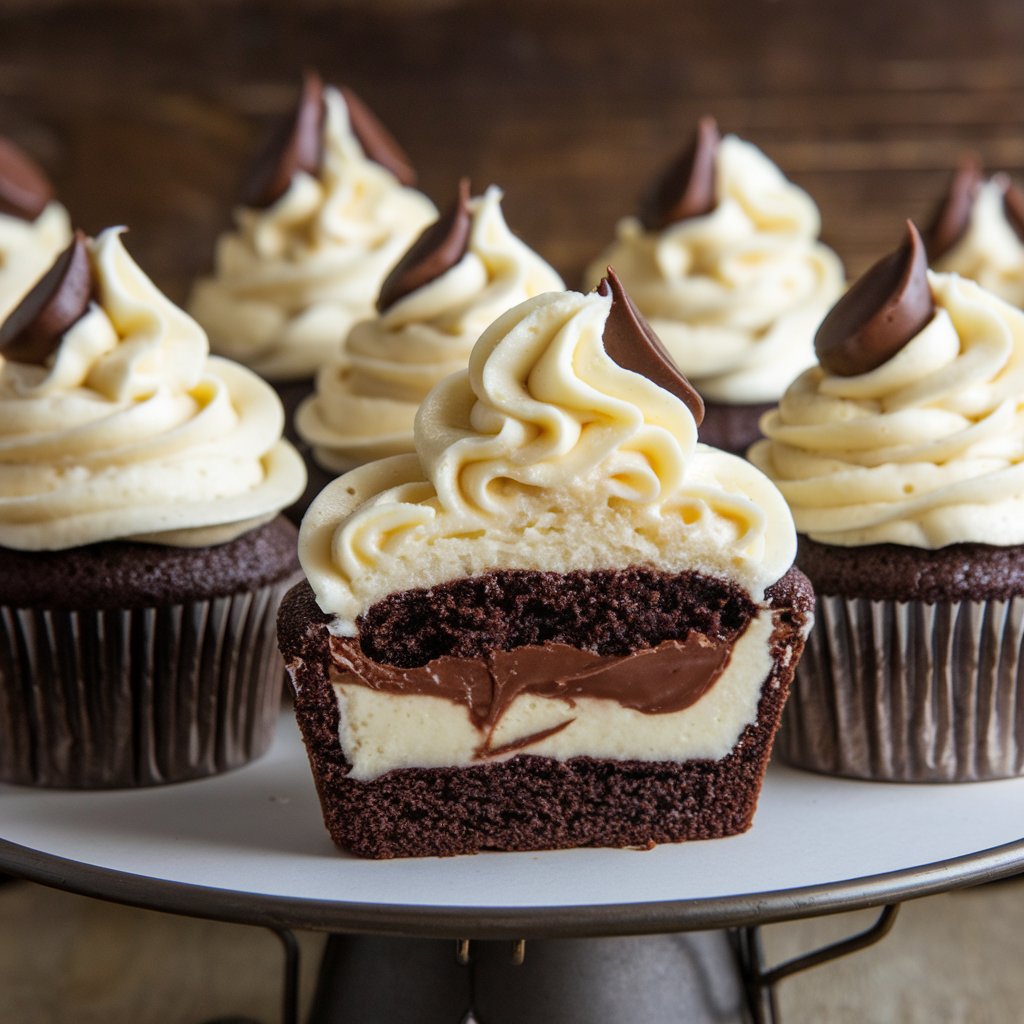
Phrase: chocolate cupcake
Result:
[560,622]
[328,210]
[723,258]
[464,270]
[977,231]
[902,458]
[34,227]
[142,556]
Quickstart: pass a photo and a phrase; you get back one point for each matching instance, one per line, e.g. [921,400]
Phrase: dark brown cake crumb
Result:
[607,611]
[893,572]
[122,574]
[530,802]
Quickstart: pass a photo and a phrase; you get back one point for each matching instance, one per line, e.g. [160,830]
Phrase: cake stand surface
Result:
[250,847]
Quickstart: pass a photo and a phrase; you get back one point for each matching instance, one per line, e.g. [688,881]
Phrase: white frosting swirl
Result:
[292,279]
[989,251]
[544,454]
[926,450]
[132,431]
[366,399]
[736,294]
[27,250]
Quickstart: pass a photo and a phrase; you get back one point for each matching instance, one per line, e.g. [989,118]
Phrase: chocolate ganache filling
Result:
[60,298]
[653,642]
[24,189]
[880,313]
[687,186]
[438,249]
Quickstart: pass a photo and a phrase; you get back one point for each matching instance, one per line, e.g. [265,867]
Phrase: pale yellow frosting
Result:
[132,431]
[366,398]
[926,450]
[989,251]
[291,280]
[27,250]
[736,294]
[544,454]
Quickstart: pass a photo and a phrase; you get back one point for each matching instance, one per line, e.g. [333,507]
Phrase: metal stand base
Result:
[659,979]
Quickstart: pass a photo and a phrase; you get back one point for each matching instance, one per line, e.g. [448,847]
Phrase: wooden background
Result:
[146,113]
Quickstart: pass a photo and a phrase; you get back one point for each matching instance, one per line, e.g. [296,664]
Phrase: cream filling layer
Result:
[381,732]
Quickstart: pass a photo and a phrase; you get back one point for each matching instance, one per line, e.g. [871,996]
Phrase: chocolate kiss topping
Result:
[24,189]
[687,186]
[1013,207]
[629,340]
[880,313]
[437,249]
[296,144]
[953,214]
[378,143]
[33,331]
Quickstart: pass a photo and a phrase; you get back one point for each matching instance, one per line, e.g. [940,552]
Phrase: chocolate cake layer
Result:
[530,802]
[121,574]
[893,572]
[616,611]
[733,428]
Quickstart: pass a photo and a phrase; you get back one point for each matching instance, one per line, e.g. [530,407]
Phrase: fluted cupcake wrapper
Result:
[909,692]
[115,698]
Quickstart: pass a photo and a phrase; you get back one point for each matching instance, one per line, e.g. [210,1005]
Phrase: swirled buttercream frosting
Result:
[978,232]
[116,423]
[734,282]
[923,449]
[544,453]
[433,309]
[303,264]
[34,227]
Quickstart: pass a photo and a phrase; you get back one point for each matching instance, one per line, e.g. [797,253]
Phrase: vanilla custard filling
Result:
[380,732]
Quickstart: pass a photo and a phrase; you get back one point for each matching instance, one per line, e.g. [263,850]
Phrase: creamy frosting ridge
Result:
[366,398]
[291,279]
[132,431]
[544,453]
[925,450]
[27,248]
[735,294]
[990,251]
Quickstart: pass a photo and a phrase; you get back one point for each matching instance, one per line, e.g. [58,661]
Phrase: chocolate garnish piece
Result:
[438,249]
[880,313]
[953,214]
[297,144]
[686,188]
[378,143]
[33,331]
[24,188]
[1013,207]
[630,342]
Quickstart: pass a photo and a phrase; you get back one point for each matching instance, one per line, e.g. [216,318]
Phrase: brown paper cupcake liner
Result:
[117,698]
[909,692]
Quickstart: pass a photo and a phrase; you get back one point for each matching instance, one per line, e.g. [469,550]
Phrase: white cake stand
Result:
[250,847]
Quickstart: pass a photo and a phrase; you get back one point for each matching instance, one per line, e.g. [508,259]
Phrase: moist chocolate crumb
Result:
[893,572]
[530,802]
[122,574]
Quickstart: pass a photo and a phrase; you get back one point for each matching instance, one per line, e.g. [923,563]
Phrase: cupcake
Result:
[463,271]
[328,210]
[34,227]
[723,259]
[142,556]
[977,231]
[560,622]
[902,458]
